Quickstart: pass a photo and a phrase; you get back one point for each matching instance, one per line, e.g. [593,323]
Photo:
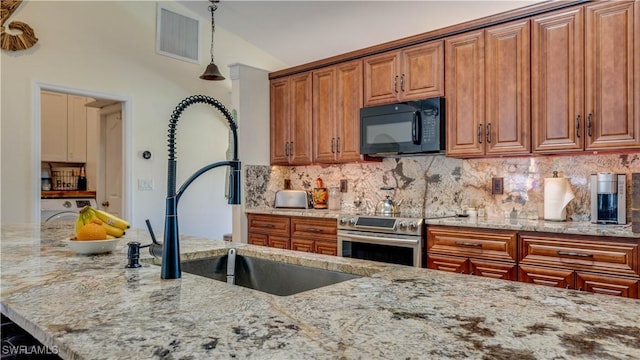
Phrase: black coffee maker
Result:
[608,200]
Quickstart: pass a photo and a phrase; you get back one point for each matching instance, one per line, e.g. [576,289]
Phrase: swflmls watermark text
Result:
[28,350]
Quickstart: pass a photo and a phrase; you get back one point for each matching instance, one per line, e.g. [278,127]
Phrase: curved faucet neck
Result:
[171,245]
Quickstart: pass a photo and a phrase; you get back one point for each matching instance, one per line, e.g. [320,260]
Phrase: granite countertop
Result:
[91,307]
[564,227]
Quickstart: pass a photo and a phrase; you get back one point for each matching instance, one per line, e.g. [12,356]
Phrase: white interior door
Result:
[112,136]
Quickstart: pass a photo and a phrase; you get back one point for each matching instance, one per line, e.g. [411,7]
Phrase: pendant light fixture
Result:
[212,72]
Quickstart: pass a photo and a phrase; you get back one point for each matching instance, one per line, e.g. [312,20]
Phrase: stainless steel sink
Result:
[264,275]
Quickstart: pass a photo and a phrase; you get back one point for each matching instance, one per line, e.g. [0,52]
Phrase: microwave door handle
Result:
[416,128]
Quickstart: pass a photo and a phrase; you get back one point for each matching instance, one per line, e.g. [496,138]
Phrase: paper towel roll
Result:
[557,194]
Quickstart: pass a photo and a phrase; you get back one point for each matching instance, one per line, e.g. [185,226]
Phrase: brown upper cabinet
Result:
[488,91]
[337,99]
[583,64]
[412,73]
[291,122]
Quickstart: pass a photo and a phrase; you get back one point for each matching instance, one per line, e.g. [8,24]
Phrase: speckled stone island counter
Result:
[91,307]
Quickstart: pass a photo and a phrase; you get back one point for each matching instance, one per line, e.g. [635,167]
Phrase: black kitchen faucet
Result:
[171,245]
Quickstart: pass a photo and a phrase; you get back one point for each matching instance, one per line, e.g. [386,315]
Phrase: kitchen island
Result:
[92,307]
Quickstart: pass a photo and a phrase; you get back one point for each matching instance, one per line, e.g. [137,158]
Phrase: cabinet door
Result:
[581,253]
[608,285]
[279,126]
[422,71]
[76,129]
[563,278]
[258,239]
[279,242]
[464,90]
[611,96]
[493,269]
[381,80]
[324,110]
[302,245]
[472,243]
[300,122]
[348,103]
[454,264]
[269,224]
[53,127]
[314,229]
[508,101]
[326,248]
[557,81]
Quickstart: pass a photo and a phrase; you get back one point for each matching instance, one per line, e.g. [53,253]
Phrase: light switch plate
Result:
[344,187]
[145,184]
[497,185]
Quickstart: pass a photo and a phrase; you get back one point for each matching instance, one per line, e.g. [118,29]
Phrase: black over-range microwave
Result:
[411,127]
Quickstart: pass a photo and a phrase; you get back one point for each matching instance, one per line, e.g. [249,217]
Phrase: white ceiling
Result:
[298,32]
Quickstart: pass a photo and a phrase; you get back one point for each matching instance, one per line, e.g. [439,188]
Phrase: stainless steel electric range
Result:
[394,240]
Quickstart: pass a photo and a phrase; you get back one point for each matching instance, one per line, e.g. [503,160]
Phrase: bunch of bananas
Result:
[113,225]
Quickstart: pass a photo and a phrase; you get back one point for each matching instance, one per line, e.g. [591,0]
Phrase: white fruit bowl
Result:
[87,247]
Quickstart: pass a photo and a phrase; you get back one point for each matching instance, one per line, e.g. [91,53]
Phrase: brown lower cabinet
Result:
[315,235]
[604,265]
[488,253]
[269,230]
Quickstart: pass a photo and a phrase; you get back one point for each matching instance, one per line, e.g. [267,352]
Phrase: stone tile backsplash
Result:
[435,185]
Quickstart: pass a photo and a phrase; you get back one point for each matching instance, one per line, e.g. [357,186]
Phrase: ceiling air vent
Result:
[177,35]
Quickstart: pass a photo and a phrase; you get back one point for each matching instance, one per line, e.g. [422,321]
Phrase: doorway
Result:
[110,148]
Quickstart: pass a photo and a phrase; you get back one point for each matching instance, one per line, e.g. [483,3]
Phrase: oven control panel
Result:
[385,224]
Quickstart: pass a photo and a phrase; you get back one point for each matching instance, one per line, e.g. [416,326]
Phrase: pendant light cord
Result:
[213,7]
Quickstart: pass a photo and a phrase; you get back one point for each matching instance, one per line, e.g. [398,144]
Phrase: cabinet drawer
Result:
[481,244]
[608,285]
[302,245]
[553,277]
[314,228]
[258,239]
[269,224]
[326,248]
[615,257]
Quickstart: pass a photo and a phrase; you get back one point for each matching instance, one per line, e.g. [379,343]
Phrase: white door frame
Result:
[127,142]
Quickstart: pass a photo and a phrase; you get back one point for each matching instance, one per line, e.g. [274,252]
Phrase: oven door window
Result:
[376,252]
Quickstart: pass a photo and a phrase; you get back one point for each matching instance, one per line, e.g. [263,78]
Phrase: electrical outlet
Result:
[145,184]
[497,185]
[344,187]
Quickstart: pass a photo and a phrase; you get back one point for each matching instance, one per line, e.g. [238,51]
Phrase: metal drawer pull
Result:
[395,84]
[578,125]
[589,125]
[480,134]
[333,145]
[314,230]
[467,243]
[574,254]
[267,225]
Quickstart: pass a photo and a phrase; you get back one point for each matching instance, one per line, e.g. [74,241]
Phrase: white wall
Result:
[109,47]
